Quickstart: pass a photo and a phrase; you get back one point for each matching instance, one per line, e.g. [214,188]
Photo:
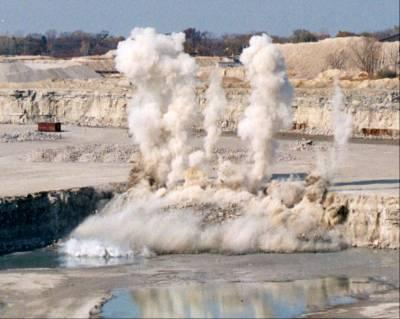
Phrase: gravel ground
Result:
[88,153]
[28,136]
[19,176]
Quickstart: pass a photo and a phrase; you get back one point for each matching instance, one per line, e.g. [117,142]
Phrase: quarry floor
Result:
[368,166]
[73,293]
[19,176]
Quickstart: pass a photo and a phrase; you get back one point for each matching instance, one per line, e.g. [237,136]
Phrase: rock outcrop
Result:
[371,109]
[365,220]
[375,111]
[39,219]
[87,108]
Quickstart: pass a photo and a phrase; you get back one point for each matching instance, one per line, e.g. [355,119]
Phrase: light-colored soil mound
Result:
[307,60]
[102,63]
[9,71]
[30,72]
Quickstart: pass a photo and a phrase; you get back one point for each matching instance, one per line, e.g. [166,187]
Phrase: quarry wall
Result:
[372,220]
[39,219]
[375,111]
[87,108]
[371,109]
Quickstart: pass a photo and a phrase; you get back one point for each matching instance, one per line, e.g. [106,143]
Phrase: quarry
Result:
[172,170]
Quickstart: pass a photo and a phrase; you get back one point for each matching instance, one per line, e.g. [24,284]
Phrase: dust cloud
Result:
[174,205]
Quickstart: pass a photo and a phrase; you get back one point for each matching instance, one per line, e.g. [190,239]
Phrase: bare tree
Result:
[367,55]
[393,59]
[336,60]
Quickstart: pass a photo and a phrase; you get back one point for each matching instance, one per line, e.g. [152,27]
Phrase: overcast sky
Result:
[278,17]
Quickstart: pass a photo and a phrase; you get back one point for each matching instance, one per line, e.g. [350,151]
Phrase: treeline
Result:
[62,45]
[204,43]
[79,43]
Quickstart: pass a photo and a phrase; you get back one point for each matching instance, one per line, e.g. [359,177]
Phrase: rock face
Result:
[375,111]
[88,108]
[37,220]
[365,220]
[370,109]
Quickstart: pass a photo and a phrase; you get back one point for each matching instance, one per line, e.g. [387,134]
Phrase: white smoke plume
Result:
[216,105]
[341,122]
[163,103]
[270,102]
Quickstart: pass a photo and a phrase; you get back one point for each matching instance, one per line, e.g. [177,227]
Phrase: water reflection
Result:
[239,300]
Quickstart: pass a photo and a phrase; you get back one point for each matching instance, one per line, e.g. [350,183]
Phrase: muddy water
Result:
[208,284]
[239,300]
[52,258]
